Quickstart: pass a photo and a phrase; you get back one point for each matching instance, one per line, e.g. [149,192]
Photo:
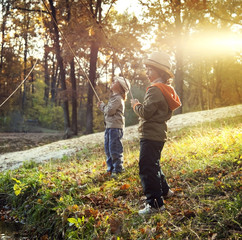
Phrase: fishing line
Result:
[74,55]
[24,79]
[108,41]
[20,84]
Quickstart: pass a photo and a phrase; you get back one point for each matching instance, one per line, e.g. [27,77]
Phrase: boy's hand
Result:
[133,102]
[99,103]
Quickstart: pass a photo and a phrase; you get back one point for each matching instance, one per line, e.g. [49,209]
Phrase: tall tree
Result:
[73,98]
[26,45]
[5,13]
[175,21]
[179,75]
[96,15]
[61,65]
[170,19]
[73,79]
[115,38]
[47,76]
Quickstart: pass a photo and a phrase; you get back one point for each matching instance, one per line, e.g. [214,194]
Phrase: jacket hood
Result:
[170,95]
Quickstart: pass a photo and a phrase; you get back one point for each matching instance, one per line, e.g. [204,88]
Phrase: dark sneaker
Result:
[148,210]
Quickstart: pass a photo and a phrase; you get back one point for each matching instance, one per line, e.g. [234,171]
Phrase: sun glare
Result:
[230,42]
[214,44]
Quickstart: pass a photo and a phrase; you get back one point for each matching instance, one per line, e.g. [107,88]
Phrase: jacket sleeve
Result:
[112,106]
[151,103]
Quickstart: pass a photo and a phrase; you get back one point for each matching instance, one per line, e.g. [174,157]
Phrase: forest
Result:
[59,57]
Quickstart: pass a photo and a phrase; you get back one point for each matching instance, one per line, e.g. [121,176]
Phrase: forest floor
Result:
[16,148]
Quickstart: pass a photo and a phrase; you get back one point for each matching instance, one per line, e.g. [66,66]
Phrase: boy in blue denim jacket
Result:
[114,123]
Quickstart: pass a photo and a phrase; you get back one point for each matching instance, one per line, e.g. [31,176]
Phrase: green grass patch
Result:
[74,198]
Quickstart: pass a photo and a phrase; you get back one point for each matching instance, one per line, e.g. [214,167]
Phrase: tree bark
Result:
[53,81]
[92,77]
[179,75]
[26,22]
[61,67]
[74,98]
[32,78]
[73,81]
[4,21]
[47,77]
[217,96]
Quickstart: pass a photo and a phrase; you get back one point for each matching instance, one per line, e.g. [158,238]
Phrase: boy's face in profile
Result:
[151,73]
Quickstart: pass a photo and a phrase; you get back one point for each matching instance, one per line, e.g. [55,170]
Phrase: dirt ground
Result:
[12,142]
[15,148]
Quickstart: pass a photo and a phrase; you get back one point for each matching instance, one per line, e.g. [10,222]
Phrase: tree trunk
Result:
[53,81]
[47,77]
[61,66]
[92,77]
[4,21]
[179,75]
[81,113]
[82,105]
[201,101]
[74,98]
[179,78]
[32,78]
[26,22]
[237,90]
[217,97]
[73,81]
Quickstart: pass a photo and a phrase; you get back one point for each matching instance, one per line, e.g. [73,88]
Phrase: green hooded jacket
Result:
[153,115]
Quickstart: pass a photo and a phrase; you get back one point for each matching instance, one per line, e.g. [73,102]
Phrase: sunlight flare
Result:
[214,44]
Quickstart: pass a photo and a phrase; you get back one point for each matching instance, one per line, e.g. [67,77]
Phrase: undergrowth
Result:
[74,198]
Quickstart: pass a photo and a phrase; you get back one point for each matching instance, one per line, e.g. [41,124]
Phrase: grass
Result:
[73,198]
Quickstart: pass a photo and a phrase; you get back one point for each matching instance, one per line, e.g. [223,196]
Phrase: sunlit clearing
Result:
[214,44]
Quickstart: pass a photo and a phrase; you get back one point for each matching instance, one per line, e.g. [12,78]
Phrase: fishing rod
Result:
[108,41]
[74,55]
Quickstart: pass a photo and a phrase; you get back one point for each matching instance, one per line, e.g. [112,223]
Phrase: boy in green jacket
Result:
[159,102]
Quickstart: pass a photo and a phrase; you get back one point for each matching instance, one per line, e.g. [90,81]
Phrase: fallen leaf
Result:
[115,225]
[125,186]
[189,213]
[45,237]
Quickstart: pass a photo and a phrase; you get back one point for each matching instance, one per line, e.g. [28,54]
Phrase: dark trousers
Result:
[152,178]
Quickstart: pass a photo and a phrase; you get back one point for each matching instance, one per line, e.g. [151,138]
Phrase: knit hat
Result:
[160,60]
[123,82]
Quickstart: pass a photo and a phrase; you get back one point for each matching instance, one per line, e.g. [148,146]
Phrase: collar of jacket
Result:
[169,93]
[158,80]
